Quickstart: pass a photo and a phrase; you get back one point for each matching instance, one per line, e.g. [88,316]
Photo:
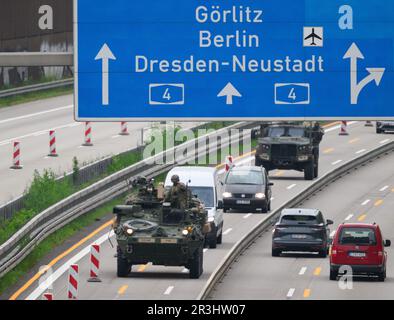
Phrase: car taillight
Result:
[333,252]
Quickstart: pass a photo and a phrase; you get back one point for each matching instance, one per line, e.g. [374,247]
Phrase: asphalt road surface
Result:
[30,124]
[157,282]
[365,195]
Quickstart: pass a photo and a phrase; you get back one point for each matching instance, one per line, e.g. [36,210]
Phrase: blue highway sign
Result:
[234,59]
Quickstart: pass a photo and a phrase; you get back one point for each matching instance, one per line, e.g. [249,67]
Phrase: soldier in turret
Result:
[177,195]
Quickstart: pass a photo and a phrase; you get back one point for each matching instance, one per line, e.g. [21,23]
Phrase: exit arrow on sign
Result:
[229,91]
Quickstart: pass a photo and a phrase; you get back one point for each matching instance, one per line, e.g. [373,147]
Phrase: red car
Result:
[359,246]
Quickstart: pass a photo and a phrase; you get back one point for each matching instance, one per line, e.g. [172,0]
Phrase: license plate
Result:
[243,201]
[146,240]
[299,236]
[357,254]
[168,240]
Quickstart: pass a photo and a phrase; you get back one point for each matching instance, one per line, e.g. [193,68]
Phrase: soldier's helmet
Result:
[175,178]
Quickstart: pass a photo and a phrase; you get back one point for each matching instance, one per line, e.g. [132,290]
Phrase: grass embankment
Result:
[34,96]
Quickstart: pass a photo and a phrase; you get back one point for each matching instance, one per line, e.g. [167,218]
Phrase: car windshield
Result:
[276,132]
[299,219]
[357,236]
[245,177]
[205,194]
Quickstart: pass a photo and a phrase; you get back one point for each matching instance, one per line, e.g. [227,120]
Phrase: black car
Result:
[383,126]
[301,230]
[247,187]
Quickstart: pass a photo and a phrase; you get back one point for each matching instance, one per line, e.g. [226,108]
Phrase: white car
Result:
[203,182]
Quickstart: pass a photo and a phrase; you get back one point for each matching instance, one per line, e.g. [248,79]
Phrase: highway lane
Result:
[152,282]
[30,124]
[365,195]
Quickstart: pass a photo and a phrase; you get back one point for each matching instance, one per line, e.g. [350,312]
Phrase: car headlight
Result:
[185,232]
[129,231]
[260,195]
[266,146]
[303,148]
[302,158]
[227,195]
[211,219]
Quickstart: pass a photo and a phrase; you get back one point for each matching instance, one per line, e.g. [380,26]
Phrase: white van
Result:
[204,184]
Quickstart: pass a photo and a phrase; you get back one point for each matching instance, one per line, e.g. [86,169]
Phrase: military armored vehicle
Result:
[290,146]
[149,229]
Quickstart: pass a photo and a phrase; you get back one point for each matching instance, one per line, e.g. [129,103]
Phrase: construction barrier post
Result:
[73,279]
[52,144]
[343,131]
[123,129]
[16,162]
[94,263]
[88,135]
[229,163]
[369,124]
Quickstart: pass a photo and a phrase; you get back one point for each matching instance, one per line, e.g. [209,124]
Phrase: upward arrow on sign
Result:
[105,54]
[375,74]
[229,92]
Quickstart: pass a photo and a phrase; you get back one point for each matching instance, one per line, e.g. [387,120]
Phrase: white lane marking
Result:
[227,231]
[336,162]
[332,234]
[361,151]
[384,188]
[33,134]
[302,271]
[205,250]
[114,137]
[384,141]
[291,186]
[64,268]
[169,289]
[185,270]
[290,292]
[348,217]
[366,202]
[35,114]
[247,215]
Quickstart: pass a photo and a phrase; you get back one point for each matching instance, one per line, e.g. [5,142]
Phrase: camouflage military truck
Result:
[290,147]
[149,229]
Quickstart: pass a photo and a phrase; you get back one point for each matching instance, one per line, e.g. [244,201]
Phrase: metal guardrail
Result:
[36,87]
[272,218]
[15,249]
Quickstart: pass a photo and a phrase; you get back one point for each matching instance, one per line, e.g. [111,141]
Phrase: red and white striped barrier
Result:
[229,163]
[73,279]
[52,144]
[88,135]
[16,162]
[343,131]
[47,296]
[369,124]
[123,129]
[94,263]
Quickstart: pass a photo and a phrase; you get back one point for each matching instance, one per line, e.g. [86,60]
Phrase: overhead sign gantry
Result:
[279,59]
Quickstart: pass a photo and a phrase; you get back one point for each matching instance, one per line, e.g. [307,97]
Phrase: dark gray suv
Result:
[302,230]
[247,188]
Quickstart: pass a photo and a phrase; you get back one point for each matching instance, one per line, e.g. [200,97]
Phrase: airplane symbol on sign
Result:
[315,33]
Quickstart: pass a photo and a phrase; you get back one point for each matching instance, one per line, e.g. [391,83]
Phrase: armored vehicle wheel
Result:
[124,267]
[276,252]
[379,131]
[309,171]
[269,206]
[196,265]
[264,209]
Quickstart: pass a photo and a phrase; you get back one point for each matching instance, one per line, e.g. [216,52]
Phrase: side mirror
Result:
[220,204]
[387,243]
[329,222]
